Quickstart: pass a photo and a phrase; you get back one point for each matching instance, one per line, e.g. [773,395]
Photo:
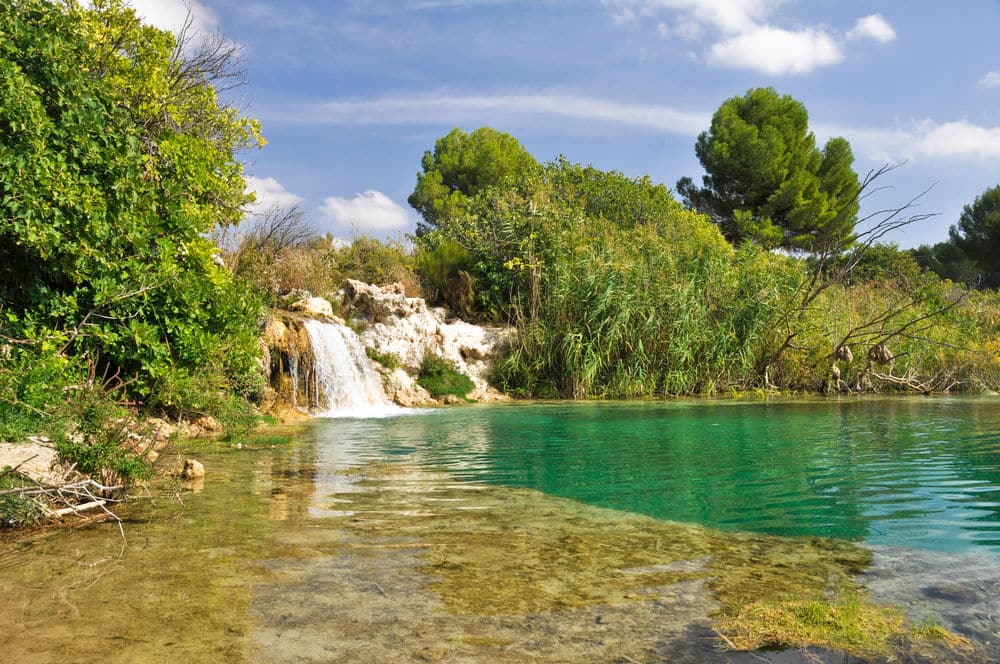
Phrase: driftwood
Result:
[76,509]
[82,495]
[941,382]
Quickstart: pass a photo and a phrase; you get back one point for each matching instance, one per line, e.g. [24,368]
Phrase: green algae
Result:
[177,588]
[515,552]
[404,564]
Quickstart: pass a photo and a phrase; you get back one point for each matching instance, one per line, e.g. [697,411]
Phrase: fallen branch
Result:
[76,509]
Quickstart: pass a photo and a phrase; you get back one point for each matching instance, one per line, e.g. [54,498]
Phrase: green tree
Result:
[461,166]
[768,182]
[948,261]
[116,159]
[977,233]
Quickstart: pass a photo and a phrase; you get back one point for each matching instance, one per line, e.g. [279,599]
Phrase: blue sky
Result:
[352,92]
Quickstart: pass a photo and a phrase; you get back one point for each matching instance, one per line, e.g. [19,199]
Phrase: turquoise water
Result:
[910,472]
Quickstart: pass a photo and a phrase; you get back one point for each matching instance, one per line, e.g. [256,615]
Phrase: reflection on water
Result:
[910,472]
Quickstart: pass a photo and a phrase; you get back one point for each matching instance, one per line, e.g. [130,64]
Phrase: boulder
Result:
[208,424]
[317,307]
[401,388]
[193,470]
[35,460]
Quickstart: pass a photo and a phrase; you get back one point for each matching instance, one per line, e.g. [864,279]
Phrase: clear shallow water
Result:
[922,473]
[307,552]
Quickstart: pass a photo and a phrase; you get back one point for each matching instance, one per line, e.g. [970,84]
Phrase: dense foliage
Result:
[971,254]
[766,179]
[116,159]
[461,166]
[617,290]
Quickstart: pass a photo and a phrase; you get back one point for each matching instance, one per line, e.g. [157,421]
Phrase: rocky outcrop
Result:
[392,325]
[37,460]
[407,329]
[315,307]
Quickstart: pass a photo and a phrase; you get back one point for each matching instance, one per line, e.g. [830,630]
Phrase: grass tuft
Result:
[440,377]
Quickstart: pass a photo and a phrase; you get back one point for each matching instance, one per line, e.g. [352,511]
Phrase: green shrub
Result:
[387,360]
[440,377]
[15,510]
[374,262]
[444,267]
[187,395]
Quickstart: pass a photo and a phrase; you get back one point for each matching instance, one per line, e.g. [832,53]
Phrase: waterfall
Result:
[344,381]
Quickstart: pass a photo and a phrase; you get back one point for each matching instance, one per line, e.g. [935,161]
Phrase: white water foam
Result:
[343,377]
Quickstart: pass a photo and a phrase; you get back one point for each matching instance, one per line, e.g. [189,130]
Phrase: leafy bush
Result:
[118,160]
[16,510]
[387,360]
[444,272]
[440,377]
[375,262]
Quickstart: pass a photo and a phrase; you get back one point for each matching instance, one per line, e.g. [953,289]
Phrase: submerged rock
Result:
[193,470]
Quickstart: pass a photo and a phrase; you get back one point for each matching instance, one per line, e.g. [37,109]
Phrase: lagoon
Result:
[574,532]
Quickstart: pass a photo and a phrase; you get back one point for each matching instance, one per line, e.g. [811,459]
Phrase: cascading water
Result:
[344,381]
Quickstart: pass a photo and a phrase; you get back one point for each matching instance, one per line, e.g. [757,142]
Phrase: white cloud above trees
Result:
[438,108]
[776,51]
[173,14]
[874,27]
[270,193]
[742,34]
[367,212]
[921,140]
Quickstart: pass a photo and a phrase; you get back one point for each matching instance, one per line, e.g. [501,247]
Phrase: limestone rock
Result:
[35,461]
[402,389]
[193,469]
[407,328]
[208,424]
[161,431]
[313,306]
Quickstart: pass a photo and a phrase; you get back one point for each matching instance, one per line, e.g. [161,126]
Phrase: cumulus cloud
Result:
[776,52]
[990,80]
[369,211]
[172,14]
[450,109]
[270,193]
[958,139]
[874,27]
[921,140]
[742,34]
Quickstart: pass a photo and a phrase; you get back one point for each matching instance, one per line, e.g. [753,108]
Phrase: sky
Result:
[352,92]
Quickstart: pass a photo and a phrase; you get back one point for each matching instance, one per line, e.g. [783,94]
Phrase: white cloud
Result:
[959,139]
[369,211]
[874,27]
[729,16]
[172,14]
[775,51]
[270,193]
[990,80]
[921,140]
[452,109]
[742,34]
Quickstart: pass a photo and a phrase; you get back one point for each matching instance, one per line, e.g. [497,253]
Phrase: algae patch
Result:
[505,552]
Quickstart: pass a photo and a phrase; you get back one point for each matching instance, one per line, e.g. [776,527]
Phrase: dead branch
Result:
[939,383]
